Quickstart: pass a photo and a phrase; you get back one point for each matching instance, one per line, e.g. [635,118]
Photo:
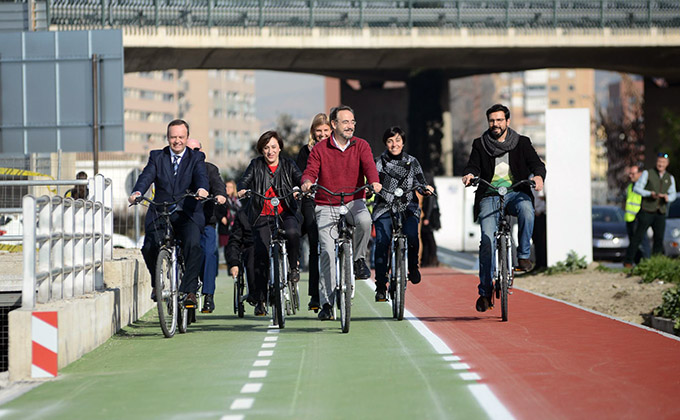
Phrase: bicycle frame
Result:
[344,258]
[278,245]
[503,272]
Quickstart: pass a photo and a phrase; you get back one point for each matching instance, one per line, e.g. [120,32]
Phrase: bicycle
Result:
[399,251]
[239,291]
[169,271]
[283,292]
[344,257]
[504,271]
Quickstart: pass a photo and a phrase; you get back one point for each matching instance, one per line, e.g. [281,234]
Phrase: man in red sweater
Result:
[341,163]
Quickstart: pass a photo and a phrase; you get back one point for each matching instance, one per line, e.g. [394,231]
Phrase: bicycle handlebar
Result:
[283,197]
[476,180]
[314,187]
[399,192]
[141,198]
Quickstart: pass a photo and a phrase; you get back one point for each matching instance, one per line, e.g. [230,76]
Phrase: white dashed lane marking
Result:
[484,396]
[268,345]
[251,388]
[260,363]
[232,417]
[265,353]
[470,376]
[459,366]
[242,403]
[257,374]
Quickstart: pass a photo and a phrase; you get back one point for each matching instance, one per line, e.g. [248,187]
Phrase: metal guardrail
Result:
[65,241]
[91,14]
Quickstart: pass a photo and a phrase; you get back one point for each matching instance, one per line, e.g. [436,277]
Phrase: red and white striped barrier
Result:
[45,344]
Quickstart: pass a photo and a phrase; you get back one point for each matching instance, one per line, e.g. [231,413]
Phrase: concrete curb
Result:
[87,321]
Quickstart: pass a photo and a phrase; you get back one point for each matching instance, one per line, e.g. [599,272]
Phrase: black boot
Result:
[208,304]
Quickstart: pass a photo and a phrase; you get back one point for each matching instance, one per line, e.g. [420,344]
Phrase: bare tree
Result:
[622,125]
[293,135]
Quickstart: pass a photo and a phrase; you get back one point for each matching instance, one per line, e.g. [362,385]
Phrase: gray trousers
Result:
[327,221]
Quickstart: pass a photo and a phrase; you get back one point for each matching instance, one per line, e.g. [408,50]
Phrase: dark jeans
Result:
[644,220]
[429,256]
[310,229]
[262,237]
[189,233]
[383,236]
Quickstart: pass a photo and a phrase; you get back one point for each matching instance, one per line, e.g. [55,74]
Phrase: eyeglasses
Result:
[663,155]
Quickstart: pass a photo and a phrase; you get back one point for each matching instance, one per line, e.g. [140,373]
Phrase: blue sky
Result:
[300,95]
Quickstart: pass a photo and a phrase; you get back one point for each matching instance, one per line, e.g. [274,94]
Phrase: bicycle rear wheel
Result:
[279,314]
[399,280]
[505,275]
[344,289]
[165,288]
[239,289]
[293,299]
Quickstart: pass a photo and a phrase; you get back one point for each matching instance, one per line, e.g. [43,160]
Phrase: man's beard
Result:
[495,136]
[344,136]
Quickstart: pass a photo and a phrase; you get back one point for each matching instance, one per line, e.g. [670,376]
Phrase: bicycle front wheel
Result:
[238,295]
[165,288]
[399,277]
[279,313]
[504,275]
[344,289]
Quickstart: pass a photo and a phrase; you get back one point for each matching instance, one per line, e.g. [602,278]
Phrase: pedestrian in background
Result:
[209,235]
[79,191]
[657,188]
[632,208]
[430,222]
[226,214]
[319,130]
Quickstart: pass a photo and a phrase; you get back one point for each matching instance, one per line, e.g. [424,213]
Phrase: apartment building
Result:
[219,106]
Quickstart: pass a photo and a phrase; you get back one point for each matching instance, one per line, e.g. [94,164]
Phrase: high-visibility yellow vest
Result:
[633,203]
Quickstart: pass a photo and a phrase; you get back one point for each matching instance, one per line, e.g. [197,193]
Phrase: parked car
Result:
[122,241]
[671,237]
[610,239]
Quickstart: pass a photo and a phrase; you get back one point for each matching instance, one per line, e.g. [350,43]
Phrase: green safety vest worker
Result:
[633,203]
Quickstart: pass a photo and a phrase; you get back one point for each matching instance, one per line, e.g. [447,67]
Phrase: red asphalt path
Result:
[552,360]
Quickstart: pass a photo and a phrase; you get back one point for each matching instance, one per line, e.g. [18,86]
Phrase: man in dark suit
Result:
[174,170]
[209,237]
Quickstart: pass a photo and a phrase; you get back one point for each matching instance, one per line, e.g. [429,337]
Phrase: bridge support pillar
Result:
[430,121]
[420,107]
[662,122]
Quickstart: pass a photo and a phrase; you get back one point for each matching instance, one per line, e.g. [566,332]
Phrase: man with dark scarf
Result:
[502,157]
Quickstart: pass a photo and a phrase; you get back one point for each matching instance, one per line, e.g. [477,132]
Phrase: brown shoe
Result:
[524,264]
[627,265]
[190,301]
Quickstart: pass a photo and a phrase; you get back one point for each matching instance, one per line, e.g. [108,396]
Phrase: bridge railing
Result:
[64,241]
[90,14]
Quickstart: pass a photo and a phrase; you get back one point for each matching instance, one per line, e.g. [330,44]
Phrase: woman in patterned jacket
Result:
[397,169]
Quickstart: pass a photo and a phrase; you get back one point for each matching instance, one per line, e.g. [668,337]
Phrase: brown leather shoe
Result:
[190,301]
[627,265]
[524,264]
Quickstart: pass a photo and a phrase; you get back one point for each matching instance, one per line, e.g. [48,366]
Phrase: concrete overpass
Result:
[423,43]
[394,54]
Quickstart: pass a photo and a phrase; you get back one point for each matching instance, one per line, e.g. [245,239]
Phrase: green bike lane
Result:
[230,368]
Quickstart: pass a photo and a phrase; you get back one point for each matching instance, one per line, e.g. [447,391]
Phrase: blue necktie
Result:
[175,164]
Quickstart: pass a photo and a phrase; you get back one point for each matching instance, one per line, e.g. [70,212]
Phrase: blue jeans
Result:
[517,204]
[383,236]
[209,273]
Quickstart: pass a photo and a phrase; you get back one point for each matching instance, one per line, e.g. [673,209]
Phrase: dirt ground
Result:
[614,294]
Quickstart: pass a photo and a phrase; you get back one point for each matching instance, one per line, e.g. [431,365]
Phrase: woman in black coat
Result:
[271,175]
